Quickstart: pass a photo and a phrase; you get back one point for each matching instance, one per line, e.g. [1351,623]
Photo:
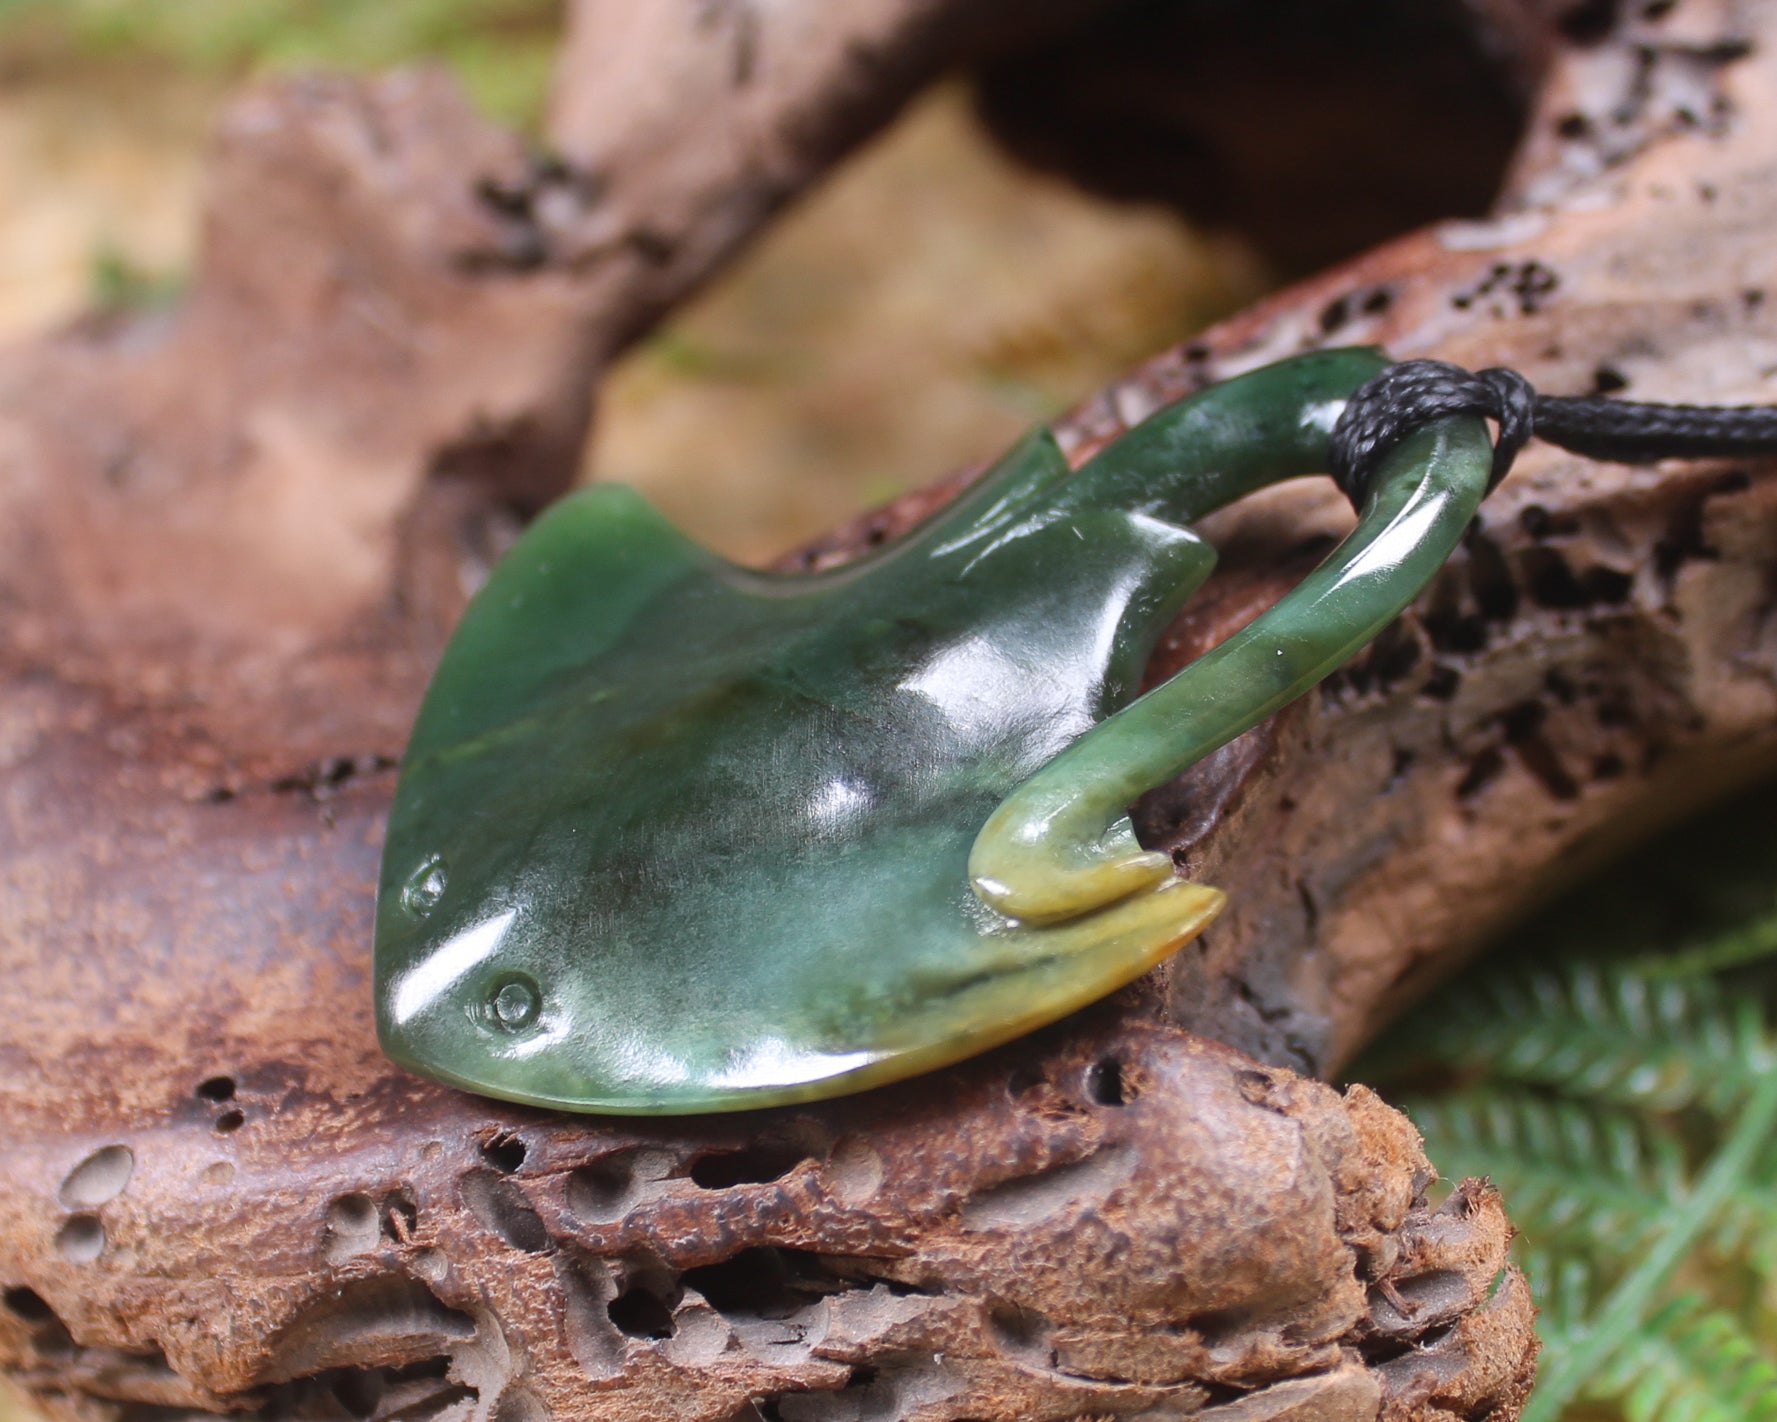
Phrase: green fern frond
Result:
[1566,1290]
[1746,1229]
[1690,1362]
[1622,1313]
[1623,1097]
[1751,943]
[1603,1033]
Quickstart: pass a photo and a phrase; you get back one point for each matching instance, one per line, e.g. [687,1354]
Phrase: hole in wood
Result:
[764,1282]
[27,1304]
[81,1239]
[382,1317]
[517,1405]
[351,1228]
[1589,22]
[359,1391]
[857,1170]
[401,1216]
[414,1392]
[501,1206]
[756,1165]
[100,1177]
[1105,1085]
[639,1312]
[1022,1334]
[504,1152]
[605,1190]
[597,1192]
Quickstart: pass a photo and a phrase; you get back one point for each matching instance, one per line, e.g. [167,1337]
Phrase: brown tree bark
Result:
[236,536]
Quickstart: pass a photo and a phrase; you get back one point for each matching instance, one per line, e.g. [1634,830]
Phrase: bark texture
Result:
[235,537]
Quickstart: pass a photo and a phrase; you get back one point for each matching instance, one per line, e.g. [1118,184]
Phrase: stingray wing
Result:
[568,590]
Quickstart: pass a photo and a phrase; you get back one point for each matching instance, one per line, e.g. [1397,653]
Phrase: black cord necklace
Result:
[1413,393]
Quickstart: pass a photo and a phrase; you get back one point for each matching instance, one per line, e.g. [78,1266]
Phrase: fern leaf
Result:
[1690,1362]
[1625,1102]
[1746,1230]
[1592,1032]
[1751,943]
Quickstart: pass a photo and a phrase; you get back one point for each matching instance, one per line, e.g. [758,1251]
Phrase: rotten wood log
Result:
[236,536]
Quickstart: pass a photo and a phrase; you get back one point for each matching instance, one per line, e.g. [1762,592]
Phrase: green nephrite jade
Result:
[676,836]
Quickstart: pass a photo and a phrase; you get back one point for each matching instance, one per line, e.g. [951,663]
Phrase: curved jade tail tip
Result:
[1026,870]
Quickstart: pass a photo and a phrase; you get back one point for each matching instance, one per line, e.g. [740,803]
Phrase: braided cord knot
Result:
[1413,393]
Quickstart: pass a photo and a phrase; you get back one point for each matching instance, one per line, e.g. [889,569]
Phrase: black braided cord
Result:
[1413,393]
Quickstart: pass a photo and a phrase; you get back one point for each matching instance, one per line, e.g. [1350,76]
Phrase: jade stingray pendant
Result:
[676,836]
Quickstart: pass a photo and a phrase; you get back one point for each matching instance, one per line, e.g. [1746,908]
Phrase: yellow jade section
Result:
[1013,871]
[1073,965]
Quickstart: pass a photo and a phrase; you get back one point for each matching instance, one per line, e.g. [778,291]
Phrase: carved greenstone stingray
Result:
[676,836]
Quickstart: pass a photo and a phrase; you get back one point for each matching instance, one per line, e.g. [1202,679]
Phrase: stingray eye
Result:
[514,1003]
[425,886]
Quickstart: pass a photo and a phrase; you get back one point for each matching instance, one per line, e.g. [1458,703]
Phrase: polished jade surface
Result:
[676,836]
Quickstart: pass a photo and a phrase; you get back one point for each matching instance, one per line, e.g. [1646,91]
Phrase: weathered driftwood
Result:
[235,537]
